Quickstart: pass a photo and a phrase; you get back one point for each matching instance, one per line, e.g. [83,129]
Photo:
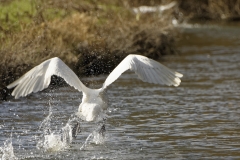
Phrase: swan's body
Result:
[94,101]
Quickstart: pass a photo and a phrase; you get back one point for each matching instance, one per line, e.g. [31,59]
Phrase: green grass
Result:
[17,14]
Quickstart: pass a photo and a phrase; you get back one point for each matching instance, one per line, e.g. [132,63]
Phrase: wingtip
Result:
[13,84]
[177,81]
[178,74]
[176,84]
[10,86]
[15,96]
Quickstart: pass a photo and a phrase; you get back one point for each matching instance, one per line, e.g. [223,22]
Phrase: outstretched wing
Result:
[147,70]
[39,77]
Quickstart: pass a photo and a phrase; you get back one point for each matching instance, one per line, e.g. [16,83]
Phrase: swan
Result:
[94,101]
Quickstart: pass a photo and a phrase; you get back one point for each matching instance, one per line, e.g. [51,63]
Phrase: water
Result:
[199,119]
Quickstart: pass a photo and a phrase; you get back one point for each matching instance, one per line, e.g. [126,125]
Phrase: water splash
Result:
[67,134]
[96,137]
[46,123]
[57,140]
[54,141]
[99,135]
[86,141]
[6,152]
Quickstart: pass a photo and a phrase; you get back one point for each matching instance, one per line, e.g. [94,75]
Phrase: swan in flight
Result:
[94,101]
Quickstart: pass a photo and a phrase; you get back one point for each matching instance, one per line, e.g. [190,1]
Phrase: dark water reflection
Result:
[200,119]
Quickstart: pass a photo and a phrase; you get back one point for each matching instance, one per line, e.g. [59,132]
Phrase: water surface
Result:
[199,119]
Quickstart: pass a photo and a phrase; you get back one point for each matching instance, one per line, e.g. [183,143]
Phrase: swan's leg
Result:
[76,129]
[102,129]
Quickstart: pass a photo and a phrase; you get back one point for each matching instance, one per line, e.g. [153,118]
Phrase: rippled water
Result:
[199,119]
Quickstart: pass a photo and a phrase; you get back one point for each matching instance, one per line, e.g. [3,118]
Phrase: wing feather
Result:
[155,76]
[29,89]
[141,73]
[37,86]
[149,77]
[147,70]
[166,77]
[158,76]
[39,77]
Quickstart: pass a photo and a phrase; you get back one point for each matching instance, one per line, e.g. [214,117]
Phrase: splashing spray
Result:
[7,151]
[52,141]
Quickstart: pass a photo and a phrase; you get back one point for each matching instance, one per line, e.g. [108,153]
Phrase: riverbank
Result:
[92,37]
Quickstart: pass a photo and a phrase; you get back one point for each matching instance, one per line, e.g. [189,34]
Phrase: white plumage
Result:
[94,101]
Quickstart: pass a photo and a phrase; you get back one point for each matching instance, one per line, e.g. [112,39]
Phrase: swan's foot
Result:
[102,130]
[76,129]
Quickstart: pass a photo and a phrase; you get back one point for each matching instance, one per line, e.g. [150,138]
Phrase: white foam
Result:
[6,152]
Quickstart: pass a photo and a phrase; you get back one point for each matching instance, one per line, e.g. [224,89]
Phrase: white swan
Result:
[94,101]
